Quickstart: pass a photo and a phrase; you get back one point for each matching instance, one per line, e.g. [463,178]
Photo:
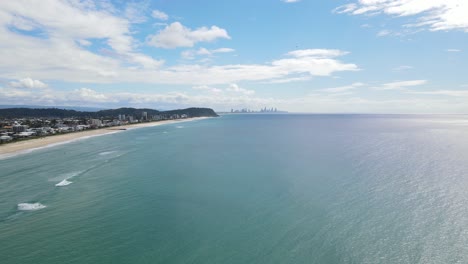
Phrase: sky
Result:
[333,56]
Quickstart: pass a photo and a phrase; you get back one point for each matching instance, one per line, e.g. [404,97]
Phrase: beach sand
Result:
[26,146]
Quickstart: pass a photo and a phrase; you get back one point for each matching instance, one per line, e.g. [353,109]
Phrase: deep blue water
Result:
[245,189]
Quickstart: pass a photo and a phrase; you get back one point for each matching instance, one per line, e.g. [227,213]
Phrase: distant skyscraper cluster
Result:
[262,110]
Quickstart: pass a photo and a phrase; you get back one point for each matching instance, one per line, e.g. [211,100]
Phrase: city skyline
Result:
[352,56]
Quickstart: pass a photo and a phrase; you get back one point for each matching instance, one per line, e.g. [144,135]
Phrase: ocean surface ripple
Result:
[245,189]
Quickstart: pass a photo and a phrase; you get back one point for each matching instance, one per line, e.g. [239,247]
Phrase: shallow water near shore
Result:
[245,189]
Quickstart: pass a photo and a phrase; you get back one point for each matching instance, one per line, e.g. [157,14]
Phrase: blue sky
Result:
[354,56]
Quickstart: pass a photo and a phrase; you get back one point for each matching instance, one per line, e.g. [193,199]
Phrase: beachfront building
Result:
[81,127]
[19,128]
[26,134]
[96,123]
[4,139]
[39,131]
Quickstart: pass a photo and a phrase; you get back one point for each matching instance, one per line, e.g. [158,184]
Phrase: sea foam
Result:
[66,176]
[63,183]
[105,153]
[30,206]
[26,151]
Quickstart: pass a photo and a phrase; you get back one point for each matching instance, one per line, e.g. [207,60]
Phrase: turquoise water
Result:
[245,189]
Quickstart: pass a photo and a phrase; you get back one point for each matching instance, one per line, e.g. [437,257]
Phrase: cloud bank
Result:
[435,14]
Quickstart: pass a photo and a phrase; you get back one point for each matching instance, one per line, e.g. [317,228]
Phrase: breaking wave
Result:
[63,183]
[66,176]
[30,206]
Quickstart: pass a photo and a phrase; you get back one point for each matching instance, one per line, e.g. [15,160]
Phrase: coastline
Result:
[27,146]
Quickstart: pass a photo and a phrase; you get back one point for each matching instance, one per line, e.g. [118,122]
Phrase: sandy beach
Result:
[26,146]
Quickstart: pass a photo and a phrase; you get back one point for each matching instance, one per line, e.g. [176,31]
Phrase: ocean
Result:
[251,188]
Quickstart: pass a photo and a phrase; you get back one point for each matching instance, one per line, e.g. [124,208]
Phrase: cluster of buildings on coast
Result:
[22,128]
[263,110]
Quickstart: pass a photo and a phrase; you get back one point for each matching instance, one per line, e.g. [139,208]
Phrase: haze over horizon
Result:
[355,56]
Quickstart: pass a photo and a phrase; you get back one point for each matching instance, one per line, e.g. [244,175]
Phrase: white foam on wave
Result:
[66,176]
[22,152]
[26,151]
[63,183]
[105,153]
[179,126]
[30,206]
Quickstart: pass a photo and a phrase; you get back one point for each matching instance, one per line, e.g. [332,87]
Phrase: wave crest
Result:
[105,153]
[63,183]
[30,206]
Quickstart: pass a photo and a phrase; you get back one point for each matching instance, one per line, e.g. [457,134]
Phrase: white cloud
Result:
[435,14]
[345,8]
[316,62]
[61,51]
[135,12]
[225,100]
[305,63]
[383,33]
[290,79]
[215,98]
[159,15]
[403,68]
[84,42]
[188,54]
[177,35]
[89,95]
[223,50]
[64,60]
[203,51]
[290,1]
[453,50]
[207,88]
[145,61]
[401,85]
[392,33]
[354,104]
[342,89]
[64,65]
[317,53]
[191,54]
[22,23]
[63,24]
[454,93]
[236,89]
[28,83]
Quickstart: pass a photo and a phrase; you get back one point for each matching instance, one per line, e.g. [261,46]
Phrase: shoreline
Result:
[23,147]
